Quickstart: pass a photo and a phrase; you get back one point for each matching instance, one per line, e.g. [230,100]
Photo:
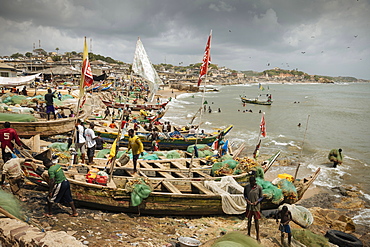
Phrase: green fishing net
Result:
[10,204]
[236,239]
[270,191]
[288,188]
[17,117]
[309,238]
[140,192]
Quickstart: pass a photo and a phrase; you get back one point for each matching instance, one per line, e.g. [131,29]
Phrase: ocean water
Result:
[331,116]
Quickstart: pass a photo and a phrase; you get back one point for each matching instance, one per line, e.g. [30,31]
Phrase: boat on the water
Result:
[255,101]
[169,143]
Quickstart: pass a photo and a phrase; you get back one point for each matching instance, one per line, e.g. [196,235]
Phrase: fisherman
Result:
[24,91]
[336,157]
[59,188]
[13,172]
[90,143]
[50,103]
[59,96]
[136,145]
[253,196]
[285,217]
[113,125]
[106,112]
[80,139]
[7,135]
[99,142]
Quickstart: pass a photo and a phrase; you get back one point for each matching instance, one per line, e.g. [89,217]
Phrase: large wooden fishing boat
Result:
[135,107]
[255,101]
[172,194]
[168,143]
[43,127]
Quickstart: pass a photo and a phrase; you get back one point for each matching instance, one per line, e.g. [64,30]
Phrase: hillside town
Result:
[66,68]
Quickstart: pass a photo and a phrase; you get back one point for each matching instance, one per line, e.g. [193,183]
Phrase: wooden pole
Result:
[304,138]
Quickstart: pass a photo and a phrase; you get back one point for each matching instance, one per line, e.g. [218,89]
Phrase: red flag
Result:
[206,60]
[86,70]
[263,126]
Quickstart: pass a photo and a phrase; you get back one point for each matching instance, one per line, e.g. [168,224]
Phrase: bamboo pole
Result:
[304,138]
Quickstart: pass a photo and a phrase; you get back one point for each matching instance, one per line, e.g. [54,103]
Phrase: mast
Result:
[202,74]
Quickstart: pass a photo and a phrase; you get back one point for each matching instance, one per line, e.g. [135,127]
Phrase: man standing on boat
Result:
[136,145]
[90,143]
[253,196]
[49,98]
[7,135]
[80,140]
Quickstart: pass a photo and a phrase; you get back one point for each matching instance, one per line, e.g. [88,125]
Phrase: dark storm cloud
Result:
[312,36]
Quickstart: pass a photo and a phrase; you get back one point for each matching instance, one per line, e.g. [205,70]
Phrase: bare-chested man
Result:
[285,217]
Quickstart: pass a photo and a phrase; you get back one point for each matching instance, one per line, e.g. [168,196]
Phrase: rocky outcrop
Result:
[16,233]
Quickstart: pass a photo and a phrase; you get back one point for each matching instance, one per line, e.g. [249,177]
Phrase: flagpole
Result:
[203,69]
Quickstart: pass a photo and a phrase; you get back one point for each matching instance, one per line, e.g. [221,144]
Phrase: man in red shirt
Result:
[7,135]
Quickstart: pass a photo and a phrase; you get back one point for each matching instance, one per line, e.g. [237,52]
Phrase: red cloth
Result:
[6,137]
[250,213]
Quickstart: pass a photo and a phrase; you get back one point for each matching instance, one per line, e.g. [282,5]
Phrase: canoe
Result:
[169,143]
[43,127]
[134,107]
[255,101]
[173,194]
[169,196]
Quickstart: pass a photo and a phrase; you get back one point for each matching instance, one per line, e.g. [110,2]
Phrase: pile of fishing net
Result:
[226,167]
[17,117]
[270,191]
[246,164]
[203,150]
[173,154]
[14,99]
[236,239]
[139,189]
[309,238]
[10,204]
[288,188]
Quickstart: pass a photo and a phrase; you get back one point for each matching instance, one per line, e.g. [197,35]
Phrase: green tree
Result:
[28,54]
[56,58]
[16,55]
[57,49]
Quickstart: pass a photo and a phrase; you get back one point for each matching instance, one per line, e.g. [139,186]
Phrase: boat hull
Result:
[43,128]
[254,101]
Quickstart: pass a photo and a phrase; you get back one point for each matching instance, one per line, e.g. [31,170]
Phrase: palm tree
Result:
[57,49]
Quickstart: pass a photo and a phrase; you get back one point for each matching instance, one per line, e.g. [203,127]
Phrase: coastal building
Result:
[7,70]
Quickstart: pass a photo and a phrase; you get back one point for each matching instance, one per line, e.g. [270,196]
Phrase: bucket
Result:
[188,242]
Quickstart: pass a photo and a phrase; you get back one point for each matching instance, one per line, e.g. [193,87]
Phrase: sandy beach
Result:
[331,208]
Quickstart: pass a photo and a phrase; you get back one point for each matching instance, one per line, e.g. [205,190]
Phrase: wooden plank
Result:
[202,174]
[178,165]
[171,187]
[202,188]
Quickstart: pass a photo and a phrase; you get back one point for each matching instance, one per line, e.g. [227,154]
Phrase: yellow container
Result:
[286,176]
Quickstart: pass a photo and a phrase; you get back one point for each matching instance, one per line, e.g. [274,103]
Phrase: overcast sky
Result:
[323,37]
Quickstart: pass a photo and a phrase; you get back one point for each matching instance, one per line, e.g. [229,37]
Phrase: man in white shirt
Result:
[90,142]
[80,140]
